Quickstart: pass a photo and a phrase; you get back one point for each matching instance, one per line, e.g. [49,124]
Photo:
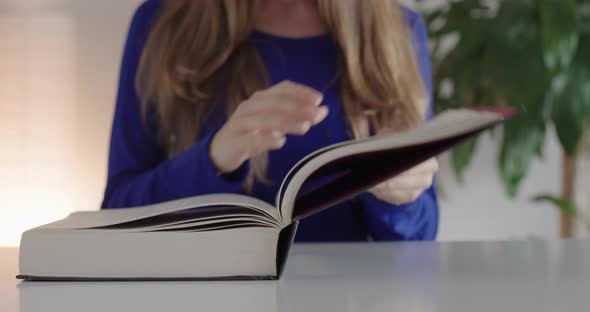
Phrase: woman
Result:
[232,93]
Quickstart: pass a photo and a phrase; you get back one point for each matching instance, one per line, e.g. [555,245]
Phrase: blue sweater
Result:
[141,174]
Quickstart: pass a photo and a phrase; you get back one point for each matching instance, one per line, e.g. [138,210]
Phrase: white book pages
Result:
[107,217]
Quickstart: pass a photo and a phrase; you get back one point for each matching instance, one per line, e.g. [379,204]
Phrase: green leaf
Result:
[571,109]
[569,97]
[457,18]
[564,205]
[461,156]
[513,63]
[524,135]
[462,66]
[560,33]
[516,58]
[584,16]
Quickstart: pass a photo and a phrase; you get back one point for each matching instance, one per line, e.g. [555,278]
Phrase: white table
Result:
[490,276]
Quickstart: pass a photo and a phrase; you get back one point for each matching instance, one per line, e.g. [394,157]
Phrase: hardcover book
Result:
[232,236]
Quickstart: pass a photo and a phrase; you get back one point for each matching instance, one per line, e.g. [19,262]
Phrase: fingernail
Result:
[305,127]
[319,101]
[321,114]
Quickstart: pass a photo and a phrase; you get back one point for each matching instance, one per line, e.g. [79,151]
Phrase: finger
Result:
[321,114]
[429,166]
[279,105]
[270,123]
[382,194]
[287,106]
[414,195]
[393,197]
[380,187]
[307,96]
[260,142]
[426,168]
[405,197]
[410,182]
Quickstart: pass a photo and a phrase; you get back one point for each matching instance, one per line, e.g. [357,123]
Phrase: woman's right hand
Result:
[261,123]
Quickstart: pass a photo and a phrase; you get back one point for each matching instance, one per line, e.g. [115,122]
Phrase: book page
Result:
[109,217]
[458,124]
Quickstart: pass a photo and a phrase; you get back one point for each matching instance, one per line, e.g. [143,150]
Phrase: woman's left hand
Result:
[408,186]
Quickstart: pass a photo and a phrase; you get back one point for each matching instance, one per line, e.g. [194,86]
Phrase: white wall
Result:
[479,208]
[59,64]
[58,72]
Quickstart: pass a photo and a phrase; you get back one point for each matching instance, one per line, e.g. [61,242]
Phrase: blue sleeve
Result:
[139,173]
[417,220]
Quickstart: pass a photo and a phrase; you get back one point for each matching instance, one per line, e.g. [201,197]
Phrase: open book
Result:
[231,236]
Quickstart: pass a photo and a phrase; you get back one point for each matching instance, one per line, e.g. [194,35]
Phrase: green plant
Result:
[566,206]
[530,54]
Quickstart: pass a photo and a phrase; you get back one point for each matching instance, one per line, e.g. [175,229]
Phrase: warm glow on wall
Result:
[37,102]
[59,62]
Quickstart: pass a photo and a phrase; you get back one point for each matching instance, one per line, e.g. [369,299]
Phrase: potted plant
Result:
[530,54]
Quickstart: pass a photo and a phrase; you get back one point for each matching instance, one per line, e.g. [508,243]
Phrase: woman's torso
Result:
[313,62]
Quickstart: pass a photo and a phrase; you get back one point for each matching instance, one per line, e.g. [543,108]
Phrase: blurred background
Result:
[59,62]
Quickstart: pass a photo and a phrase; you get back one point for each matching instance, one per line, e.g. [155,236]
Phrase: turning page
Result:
[355,166]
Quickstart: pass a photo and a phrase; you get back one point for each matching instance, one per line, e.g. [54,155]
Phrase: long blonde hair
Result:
[199,54]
